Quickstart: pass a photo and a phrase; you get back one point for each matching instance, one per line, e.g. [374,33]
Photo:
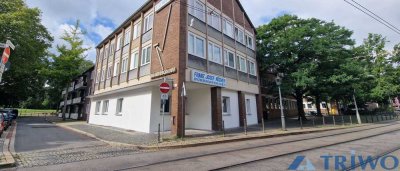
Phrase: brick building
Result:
[208,45]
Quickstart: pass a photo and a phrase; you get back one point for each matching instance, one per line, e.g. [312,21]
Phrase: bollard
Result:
[223,128]
[245,126]
[386,117]
[342,120]
[381,117]
[366,119]
[301,123]
[334,122]
[377,118]
[313,121]
[372,118]
[351,120]
[263,126]
[159,134]
[323,120]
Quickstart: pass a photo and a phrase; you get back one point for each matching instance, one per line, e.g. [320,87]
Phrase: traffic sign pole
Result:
[164,89]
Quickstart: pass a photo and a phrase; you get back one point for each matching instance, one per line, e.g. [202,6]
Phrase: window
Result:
[323,105]
[97,108]
[214,53]
[102,75]
[105,107]
[148,22]
[226,106]
[309,106]
[250,42]
[197,9]
[124,66]
[146,54]
[214,19]
[304,106]
[106,51]
[239,35]
[166,107]
[229,59]
[112,46]
[136,30]
[252,68]
[196,45]
[119,42]
[116,69]
[248,107]
[228,28]
[119,106]
[242,64]
[109,72]
[98,77]
[127,38]
[134,60]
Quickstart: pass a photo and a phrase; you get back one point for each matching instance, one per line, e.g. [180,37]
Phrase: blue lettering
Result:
[395,162]
[369,160]
[339,162]
[326,161]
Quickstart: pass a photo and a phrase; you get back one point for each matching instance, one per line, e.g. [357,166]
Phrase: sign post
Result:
[164,89]
[5,56]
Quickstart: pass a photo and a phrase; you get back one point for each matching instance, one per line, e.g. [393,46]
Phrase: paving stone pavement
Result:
[2,159]
[61,156]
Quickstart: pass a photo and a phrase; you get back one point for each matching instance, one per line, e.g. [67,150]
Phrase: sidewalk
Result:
[6,158]
[118,136]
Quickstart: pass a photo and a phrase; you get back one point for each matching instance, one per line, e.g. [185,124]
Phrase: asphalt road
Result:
[35,133]
[264,154]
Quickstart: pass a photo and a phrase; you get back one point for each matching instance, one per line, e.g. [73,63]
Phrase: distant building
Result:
[326,108]
[78,105]
[207,44]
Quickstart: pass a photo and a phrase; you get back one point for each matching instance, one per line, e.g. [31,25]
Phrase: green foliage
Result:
[22,25]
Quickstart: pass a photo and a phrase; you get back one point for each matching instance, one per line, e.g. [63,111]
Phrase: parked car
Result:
[7,117]
[13,112]
[1,125]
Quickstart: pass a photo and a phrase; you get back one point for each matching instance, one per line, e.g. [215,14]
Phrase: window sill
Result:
[197,56]
[169,114]
[120,114]
[226,114]
[104,114]
[145,64]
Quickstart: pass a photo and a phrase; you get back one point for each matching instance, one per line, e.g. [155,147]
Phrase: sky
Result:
[100,17]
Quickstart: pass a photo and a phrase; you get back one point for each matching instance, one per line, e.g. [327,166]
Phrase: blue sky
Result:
[100,17]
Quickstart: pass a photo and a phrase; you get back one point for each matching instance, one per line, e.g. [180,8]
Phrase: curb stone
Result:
[8,142]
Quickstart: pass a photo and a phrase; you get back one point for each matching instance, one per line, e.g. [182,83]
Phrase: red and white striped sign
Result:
[6,55]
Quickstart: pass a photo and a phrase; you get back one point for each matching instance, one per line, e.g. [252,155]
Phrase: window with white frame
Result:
[136,30]
[148,22]
[214,19]
[252,68]
[228,28]
[102,75]
[226,105]
[229,58]
[112,46]
[98,104]
[239,35]
[109,71]
[119,42]
[248,107]
[119,106]
[146,55]
[250,43]
[134,60]
[197,9]
[116,69]
[166,106]
[124,66]
[105,107]
[127,38]
[242,64]
[196,45]
[214,53]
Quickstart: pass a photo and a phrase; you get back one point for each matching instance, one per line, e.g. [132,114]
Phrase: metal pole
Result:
[163,112]
[263,125]
[342,120]
[351,120]
[355,104]
[245,126]
[334,122]
[282,115]
[159,135]
[223,128]
[301,123]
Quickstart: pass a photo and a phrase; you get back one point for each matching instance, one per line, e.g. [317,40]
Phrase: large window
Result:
[242,64]
[250,42]
[134,60]
[127,38]
[119,42]
[116,69]
[148,22]
[228,28]
[229,59]
[197,9]
[146,54]
[248,107]
[119,106]
[214,19]
[252,68]
[196,45]
[226,105]
[136,30]
[98,104]
[239,35]
[105,107]
[214,53]
[124,66]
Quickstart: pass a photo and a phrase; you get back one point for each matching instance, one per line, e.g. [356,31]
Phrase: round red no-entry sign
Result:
[164,88]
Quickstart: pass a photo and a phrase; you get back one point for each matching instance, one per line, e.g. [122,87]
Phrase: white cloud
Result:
[102,30]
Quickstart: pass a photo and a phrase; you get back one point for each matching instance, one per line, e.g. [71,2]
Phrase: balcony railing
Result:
[63,92]
[80,85]
[62,103]
[70,89]
[69,101]
[77,100]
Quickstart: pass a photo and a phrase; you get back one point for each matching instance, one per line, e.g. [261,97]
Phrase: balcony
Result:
[63,92]
[69,101]
[62,103]
[77,100]
[80,85]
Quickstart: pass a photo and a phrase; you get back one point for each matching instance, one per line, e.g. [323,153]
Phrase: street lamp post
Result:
[278,80]
[355,104]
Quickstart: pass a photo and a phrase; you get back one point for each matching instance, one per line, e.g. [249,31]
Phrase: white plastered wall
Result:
[231,120]
[252,116]
[198,109]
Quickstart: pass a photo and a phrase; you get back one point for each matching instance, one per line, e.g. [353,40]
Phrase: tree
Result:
[22,25]
[299,48]
[70,63]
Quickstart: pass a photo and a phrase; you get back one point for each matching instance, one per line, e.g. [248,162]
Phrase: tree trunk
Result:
[338,108]
[318,104]
[64,109]
[300,109]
